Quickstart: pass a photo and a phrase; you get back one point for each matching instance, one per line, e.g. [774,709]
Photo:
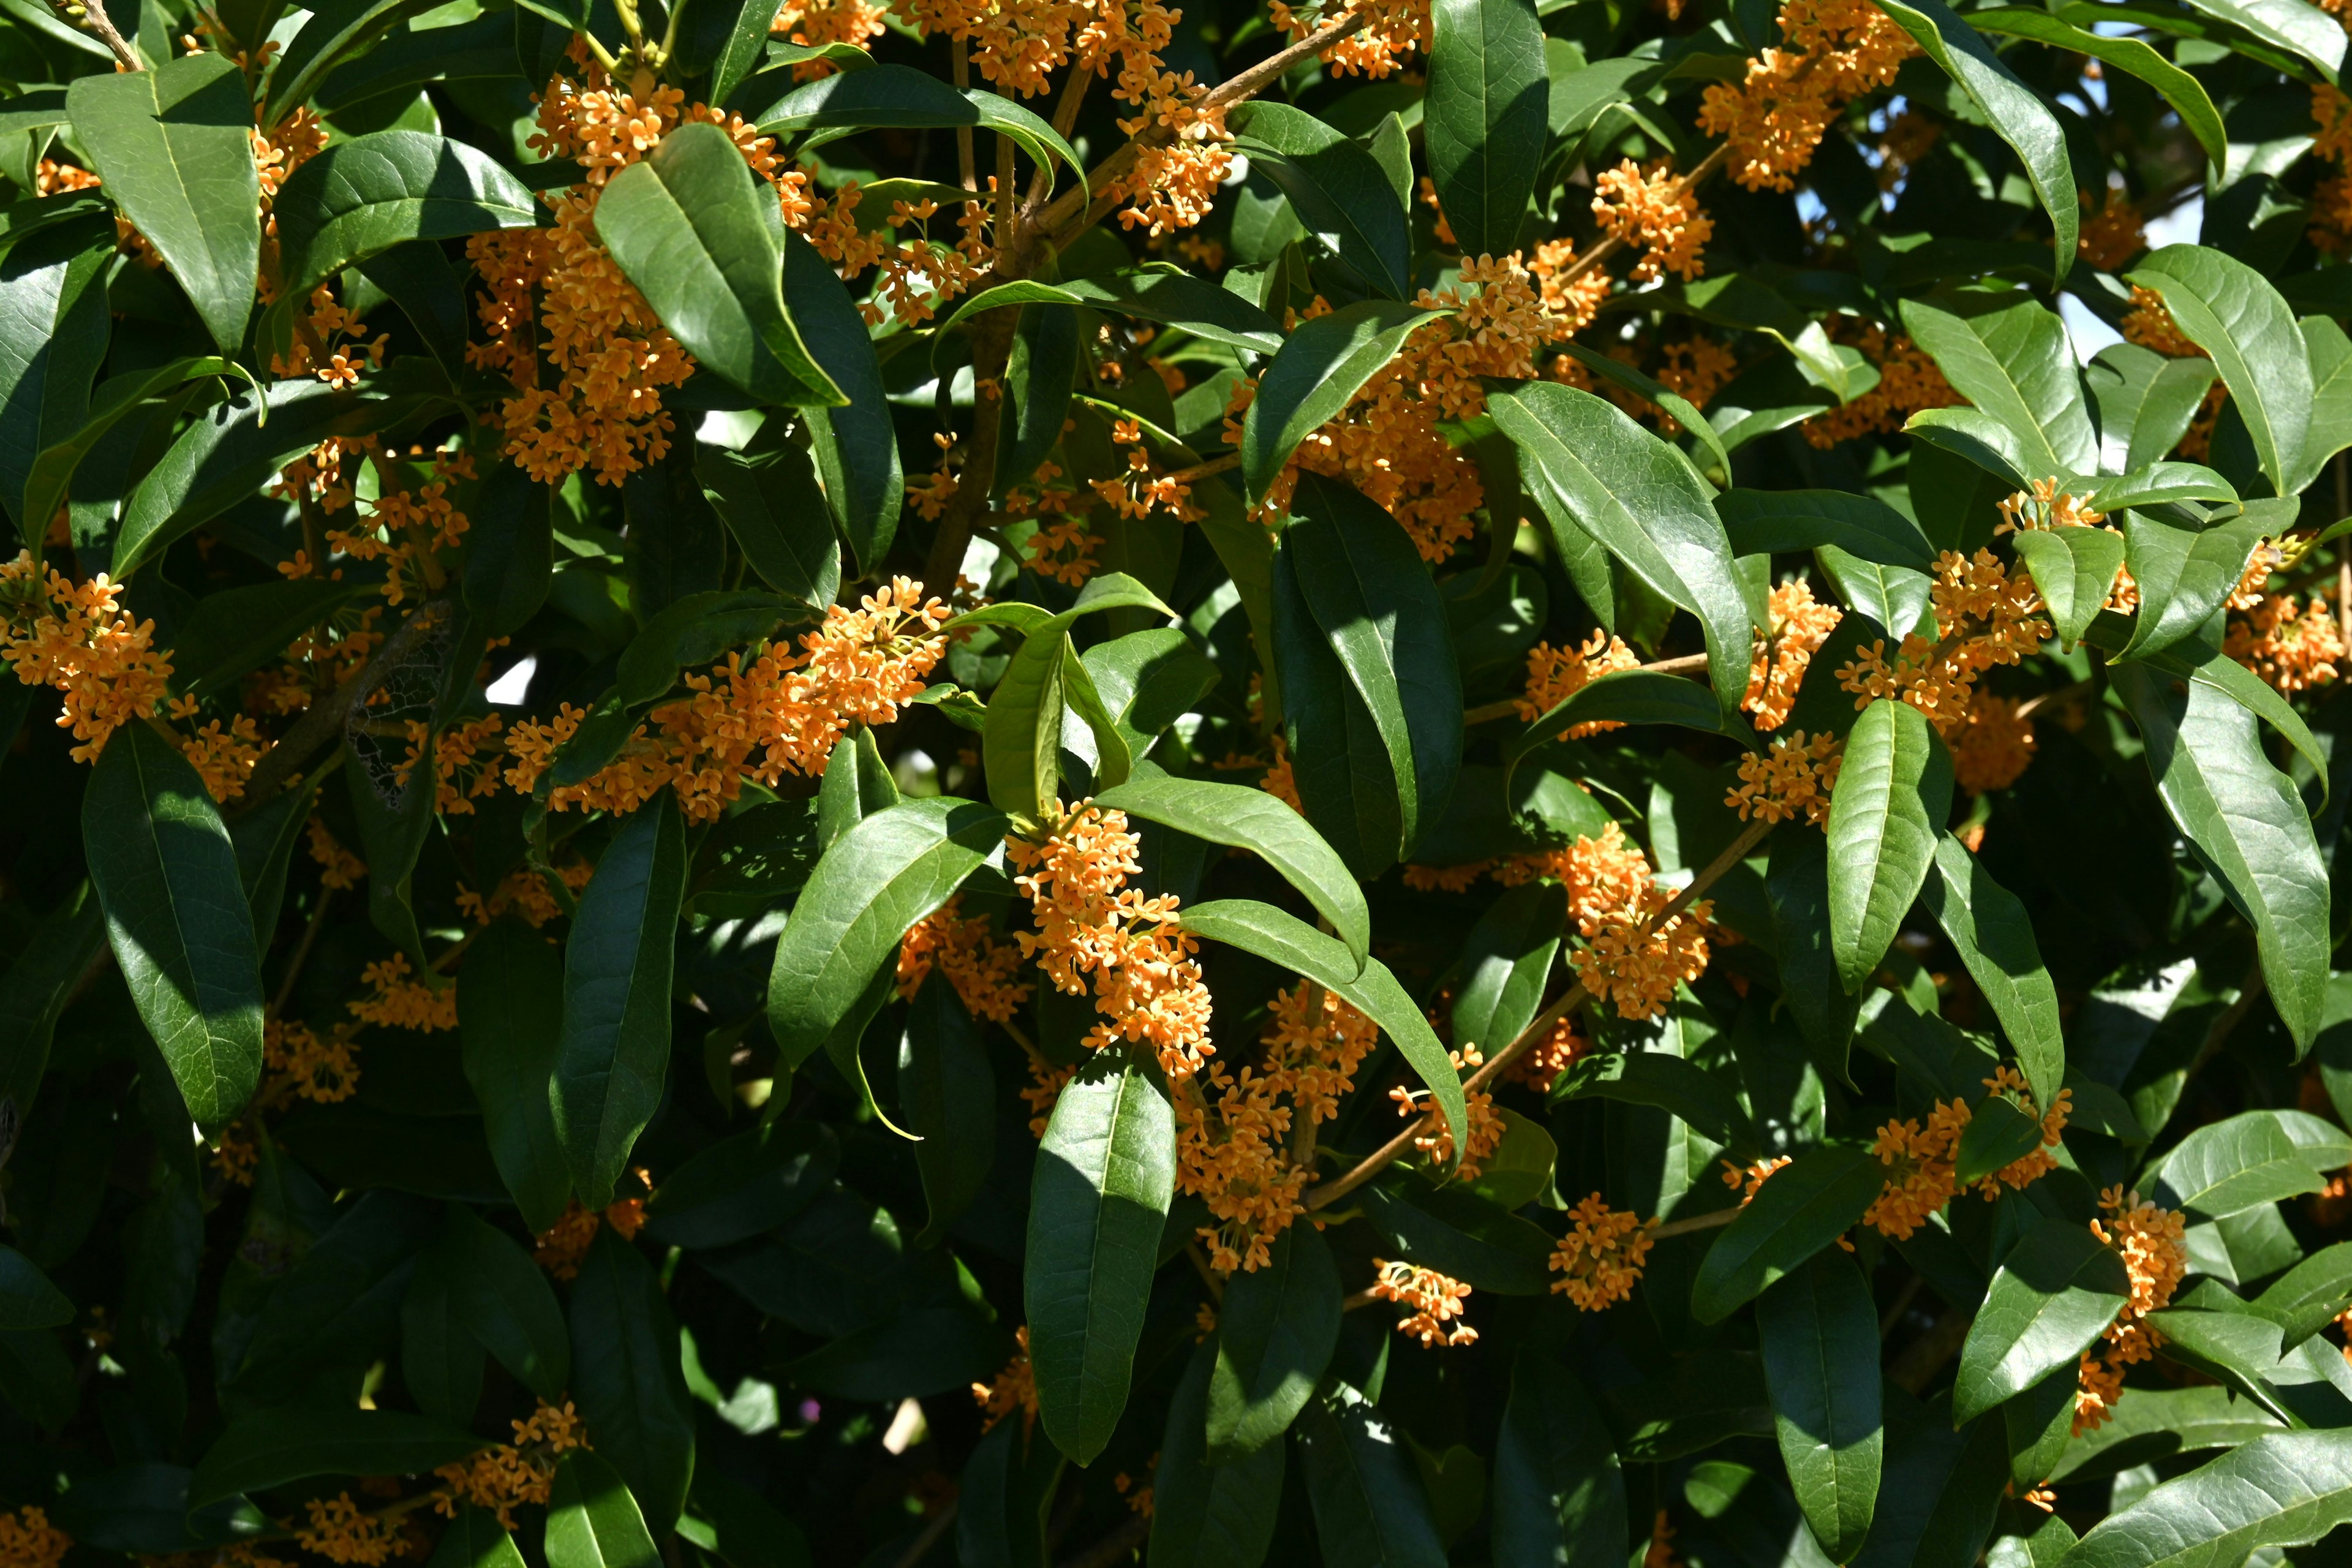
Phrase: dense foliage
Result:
[1433,785]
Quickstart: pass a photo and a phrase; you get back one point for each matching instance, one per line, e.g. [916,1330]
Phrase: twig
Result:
[94,18]
[302,951]
[1208,1275]
[1112,1548]
[959,66]
[1711,1220]
[324,719]
[921,1545]
[2027,708]
[1388,1154]
[1610,245]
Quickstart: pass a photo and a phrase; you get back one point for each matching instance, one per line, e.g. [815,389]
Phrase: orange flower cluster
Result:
[2290,651]
[1989,618]
[2331,111]
[323,1071]
[1434,1301]
[401,1002]
[2154,1251]
[1395,28]
[1920,1178]
[1633,960]
[1746,1180]
[2149,324]
[525,891]
[2112,234]
[1557,674]
[1800,625]
[1235,1153]
[1908,381]
[222,757]
[1387,442]
[1136,492]
[2027,1169]
[781,712]
[326,338]
[1777,114]
[74,638]
[1992,745]
[1014,1388]
[513,1475]
[1147,983]
[27,1540]
[1794,779]
[1541,1063]
[339,1532]
[979,967]
[1651,208]
[561,1247]
[1571,295]
[339,868]
[1696,368]
[1487,1124]
[2046,506]
[816,22]
[1180,143]
[1601,1257]
[407,528]
[462,759]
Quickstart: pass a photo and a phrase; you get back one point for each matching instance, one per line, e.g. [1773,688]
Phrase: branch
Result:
[94,18]
[1396,1148]
[324,719]
[1681,664]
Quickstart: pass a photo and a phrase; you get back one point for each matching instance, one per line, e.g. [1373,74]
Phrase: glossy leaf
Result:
[1805,1207]
[1106,1174]
[2013,361]
[2052,1297]
[1484,119]
[1764,521]
[1369,1503]
[1818,1330]
[1275,1330]
[2286,1489]
[1505,963]
[1891,797]
[592,1519]
[627,1377]
[947,1096]
[511,1038]
[1560,1491]
[1209,1515]
[854,444]
[2185,574]
[1337,189]
[1988,927]
[2233,313]
[53,328]
[1321,366]
[770,503]
[359,198]
[504,1301]
[2073,569]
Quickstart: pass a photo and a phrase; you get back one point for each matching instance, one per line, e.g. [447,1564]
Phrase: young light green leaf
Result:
[177,916]
[615,1053]
[1106,1174]
[1286,939]
[1818,1330]
[2054,1294]
[175,149]
[1244,818]
[1891,797]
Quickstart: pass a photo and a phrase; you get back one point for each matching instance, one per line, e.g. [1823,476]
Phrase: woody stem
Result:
[1697,1222]
[94,16]
[1388,1154]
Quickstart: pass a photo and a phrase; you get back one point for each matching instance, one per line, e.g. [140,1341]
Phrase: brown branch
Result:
[94,18]
[1711,1220]
[1115,1547]
[302,951]
[921,1546]
[960,66]
[1395,1149]
[322,721]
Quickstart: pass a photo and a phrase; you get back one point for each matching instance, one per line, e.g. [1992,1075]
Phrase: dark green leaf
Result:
[1208,1515]
[1988,928]
[1320,368]
[1459,1233]
[742,1186]
[1484,120]
[1370,1504]
[1275,1330]
[856,445]
[947,1095]
[511,1035]
[1683,1089]
[1818,1330]
[2241,1162]
[53,334]
[592,1519]
[1764,521]
[2053,1296]
[440,1363]
[2184,572]
[359,198]
[770,503]
[2286,1488]
[1336,188]
[1506,963]
[2073,569]
[615,1052]
[2010,357]
[2184,92]
[271,1447]
[2232,312]
[1806,1205]
[1106,1174]
[337,30]
[627,1378]
[504,1301]
[1559,1492]
[1891,797]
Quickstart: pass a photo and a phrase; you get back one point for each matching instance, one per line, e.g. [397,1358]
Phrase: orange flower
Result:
[1602,1254]
[1434,1300]
[1014,1388]
[2291,652]
[400,1003]
[1991,746]
[979,967]
[1800,625]
[1653,209]
[512,1475]
[1555,674]
[2153,1245]
[1794,779]
[1920,1179]
[72,636]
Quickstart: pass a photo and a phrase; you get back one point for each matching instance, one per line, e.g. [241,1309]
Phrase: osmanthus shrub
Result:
[1518,781]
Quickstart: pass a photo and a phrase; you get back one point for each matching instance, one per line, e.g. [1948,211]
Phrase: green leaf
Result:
[229,634]
[2055,1295]
[54,327]
[474,1539]
[1207,1515]
[750,1532]
[1939,1491]
[2232,312]
[2285,24]
[2241,1162]
[1621,484]
[2146,399]
[2249,829]
[947,1095]
[1038,381]
[27,1300]
[1286,939]
[741,1186]
[1673,404]
[440,1363]
[1177,298]
[1973,434]
[903,98]
[1796,883]
[1631,697]
[360,197]
[1506,963]
[505,1301]
[886,873]
[230,450]
[175,149]
[592,1519]
[1807,1205]
[1246,819]
[1021,738]
[856,445]
[1320,368]
[510,1037]
[1894,598]
[2013,109]
[2154,484]
[337,31]
[1339,752]
[701,238]
[177,919]
[2073,569]
[2010,357]
[1456,1232]
[1364,584]
[2309,1296]
[513,557]
[1369,1501]
[2233,1347]
[615,1053]
[770,503]
[2184,573]
[1988,926]
[341,1301]
[2184,92]
[2284,1489]
[265,1449]
[1275,1331]
[629,1379]
[1818,1330]
[1891,798]
[47,480]
[35,988]
[1484,118]
[1998,1134]
[1559,1491]
[1683,1089]
[1760,522]
[1336,188]
[2160,1421]
[1105,1173]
